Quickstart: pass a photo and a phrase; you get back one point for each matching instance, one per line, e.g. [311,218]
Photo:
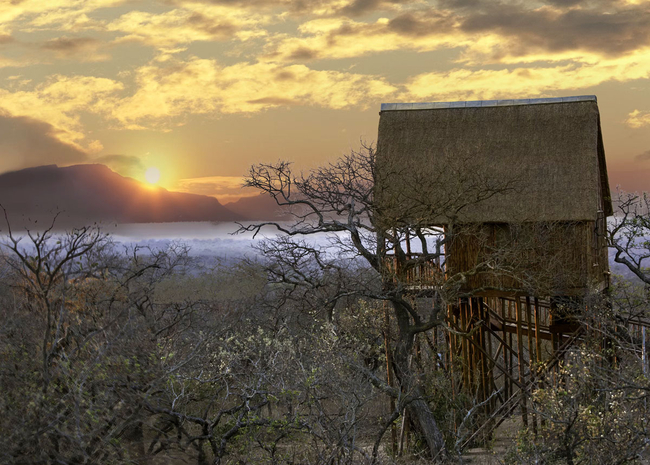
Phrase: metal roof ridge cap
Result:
[486,103]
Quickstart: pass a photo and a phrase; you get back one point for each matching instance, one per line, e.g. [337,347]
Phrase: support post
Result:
[529,336]
[520,350]
[505,355]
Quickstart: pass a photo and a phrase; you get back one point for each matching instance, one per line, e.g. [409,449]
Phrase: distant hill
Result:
[88,193]
[258,208]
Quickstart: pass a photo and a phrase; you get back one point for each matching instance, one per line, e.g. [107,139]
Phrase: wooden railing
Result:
[426,273]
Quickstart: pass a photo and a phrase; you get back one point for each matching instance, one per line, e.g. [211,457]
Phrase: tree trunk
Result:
[423,417]
[418,409]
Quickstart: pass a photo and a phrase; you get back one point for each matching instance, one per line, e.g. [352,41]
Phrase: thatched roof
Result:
[492,161]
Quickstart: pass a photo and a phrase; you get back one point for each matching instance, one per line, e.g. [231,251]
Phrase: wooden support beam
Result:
[545,335]
[450,348]
[538,349]
[463,341]
[505,354]
[520,362]
[484,344]
[529,336]
[538,343]
[529,333]
[490,373]
[496,364]
[506,346]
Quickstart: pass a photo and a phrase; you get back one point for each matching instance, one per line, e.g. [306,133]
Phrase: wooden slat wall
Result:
[535,258]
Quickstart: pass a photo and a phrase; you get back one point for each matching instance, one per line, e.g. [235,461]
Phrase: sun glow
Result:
[152,175]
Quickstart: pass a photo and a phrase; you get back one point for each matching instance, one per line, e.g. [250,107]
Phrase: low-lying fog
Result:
[211,242]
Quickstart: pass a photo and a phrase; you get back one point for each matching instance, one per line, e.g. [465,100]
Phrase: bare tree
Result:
[87,309]
[401,248]
[629,234]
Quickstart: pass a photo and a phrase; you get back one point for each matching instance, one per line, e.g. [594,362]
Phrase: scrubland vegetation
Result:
[125,355]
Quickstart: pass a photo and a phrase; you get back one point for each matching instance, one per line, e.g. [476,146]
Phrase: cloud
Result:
[485,32]
[468,84]
[637,119]
[224,188]
[126,165]
[69,15]
[334,38]
[60,101]
[164,94]
[604,30]
[80,48]
[10,63]
[360,7]
[67,45]
[645,156]
[196,22]
[27,142]
[311,8]
[273,101]
[200,86]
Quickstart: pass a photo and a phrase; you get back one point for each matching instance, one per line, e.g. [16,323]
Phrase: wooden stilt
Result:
[538,342]
[490,373]
[520,361]
[466,362]
[451,350]
[510,358]
[496,363]
[529,337]
[538,345]
[484,344]
[471,352]
[505,355]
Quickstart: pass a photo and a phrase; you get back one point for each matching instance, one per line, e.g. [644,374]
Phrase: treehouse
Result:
[520,186]
[520,189]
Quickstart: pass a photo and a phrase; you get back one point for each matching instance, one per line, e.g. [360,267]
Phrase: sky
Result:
[203,89]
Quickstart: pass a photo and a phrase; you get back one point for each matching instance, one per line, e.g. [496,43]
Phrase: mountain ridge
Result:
[260,207]
[94,193]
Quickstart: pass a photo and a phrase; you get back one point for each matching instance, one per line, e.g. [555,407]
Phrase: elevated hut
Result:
[529,176]
[520,188]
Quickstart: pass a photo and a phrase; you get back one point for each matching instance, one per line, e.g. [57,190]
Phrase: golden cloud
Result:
[28,15]
[194,22]
[200,86]
[334,38]
[59,102]
[466,84]
[79,48]
[489,32]
[637,119]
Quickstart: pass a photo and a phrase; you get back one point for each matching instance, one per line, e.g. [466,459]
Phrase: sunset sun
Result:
[152,175]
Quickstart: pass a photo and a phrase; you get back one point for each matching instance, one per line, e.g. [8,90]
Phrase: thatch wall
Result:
[542,259]
[510,164]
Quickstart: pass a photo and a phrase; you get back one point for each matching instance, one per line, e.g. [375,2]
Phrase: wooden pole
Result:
[471,352]
[510,357]
[529,334]
[463,341]
[520,361]
[538,342]
[484,363]
[505,356]
[452,349]
[538,345]
[488,335]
